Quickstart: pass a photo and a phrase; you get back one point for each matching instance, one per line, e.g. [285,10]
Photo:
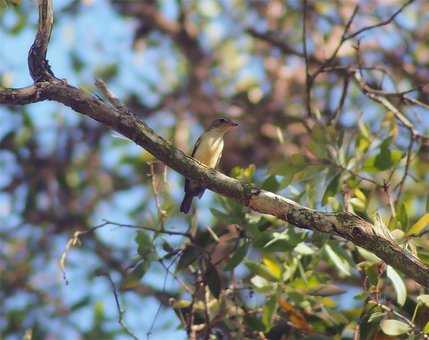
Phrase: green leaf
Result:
[398,284]
[107,72]
[419,225]
[268,311]
[140,269]
[402,216]
[394,327]
[273,266]
[383,160]
[167,247]
[99,314]
[376,316]
[254,322]
[238,256]
[212,278]
[332,188]
[189,255]
[426,328]
[179,304]
[284,241]
[304,249]
[144,243]
[261,270]
[271,184]
[342,265]
[290,167]
[362,143]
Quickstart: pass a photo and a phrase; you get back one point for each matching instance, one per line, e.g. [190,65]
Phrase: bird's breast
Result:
[209,150]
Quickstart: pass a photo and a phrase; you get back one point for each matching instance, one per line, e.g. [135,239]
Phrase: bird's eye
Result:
[223,120]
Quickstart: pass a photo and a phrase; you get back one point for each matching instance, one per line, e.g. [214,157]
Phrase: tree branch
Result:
[37,62]
[343,224]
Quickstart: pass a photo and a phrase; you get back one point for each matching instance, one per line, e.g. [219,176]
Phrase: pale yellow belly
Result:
[209,151]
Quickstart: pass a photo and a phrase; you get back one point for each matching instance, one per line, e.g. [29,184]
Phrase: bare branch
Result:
[380,24]
[308,78]
[37,62]
[121,312]
[380,97]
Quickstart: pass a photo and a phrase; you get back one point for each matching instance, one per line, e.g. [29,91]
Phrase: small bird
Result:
[207,150]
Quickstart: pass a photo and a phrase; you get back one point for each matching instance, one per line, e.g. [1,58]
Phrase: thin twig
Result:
[155,230]
[340,44]
[308,77]
[380,98]
[155,187]
[113,100]
[342,99]
[121,312]
[401,183]
[164,285]
[380,24]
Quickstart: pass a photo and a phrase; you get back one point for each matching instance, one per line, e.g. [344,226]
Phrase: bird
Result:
[207,150]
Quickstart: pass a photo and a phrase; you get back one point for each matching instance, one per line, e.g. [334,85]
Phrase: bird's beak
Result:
[233,124]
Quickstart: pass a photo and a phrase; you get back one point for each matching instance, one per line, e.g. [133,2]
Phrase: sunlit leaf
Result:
[261,270]
[342,265]
[181,304]
[398,284]
[273,266]
[394,327]
[424,299]
[304,249]
[376,316]
[418,227]
[359,194]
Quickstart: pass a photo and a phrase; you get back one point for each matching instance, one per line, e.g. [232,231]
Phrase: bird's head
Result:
[222,124]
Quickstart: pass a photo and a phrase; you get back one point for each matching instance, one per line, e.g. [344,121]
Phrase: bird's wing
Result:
[196,146]
[218,161]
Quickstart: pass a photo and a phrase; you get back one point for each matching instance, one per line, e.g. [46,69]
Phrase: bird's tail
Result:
[186,203]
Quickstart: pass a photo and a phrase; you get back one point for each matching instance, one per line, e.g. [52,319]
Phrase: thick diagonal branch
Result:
[343,224]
